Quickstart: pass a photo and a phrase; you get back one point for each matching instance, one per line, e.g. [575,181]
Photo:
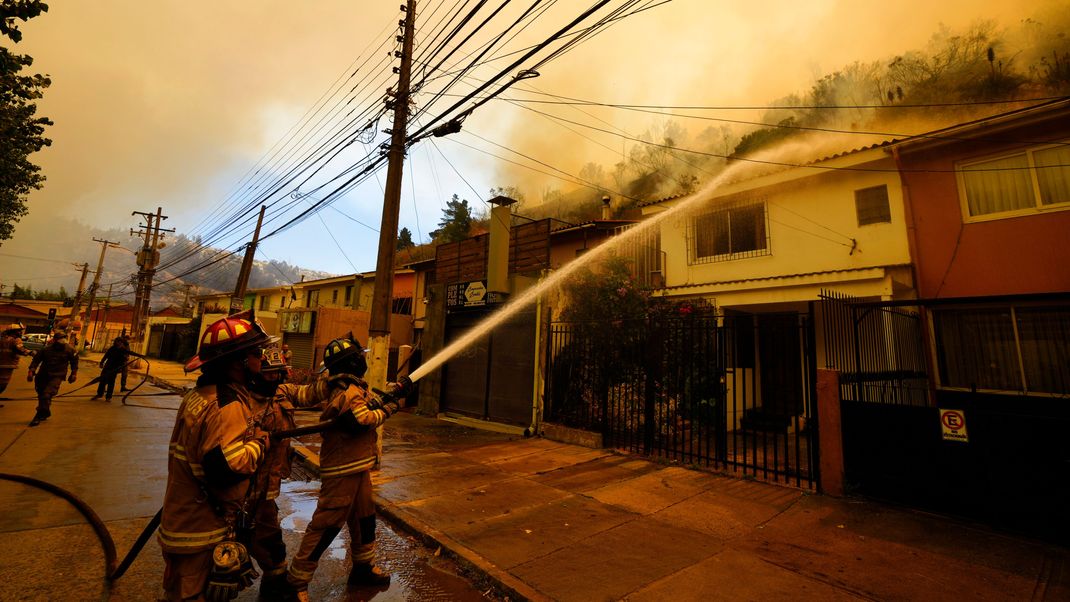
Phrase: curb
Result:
[469,560]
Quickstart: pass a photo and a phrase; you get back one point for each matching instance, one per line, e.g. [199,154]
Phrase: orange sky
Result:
[168,103]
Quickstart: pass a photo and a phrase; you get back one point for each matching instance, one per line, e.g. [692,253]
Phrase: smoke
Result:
[750,54]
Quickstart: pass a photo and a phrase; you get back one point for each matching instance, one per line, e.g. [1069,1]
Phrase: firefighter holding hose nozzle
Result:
[216,475]
[346,458]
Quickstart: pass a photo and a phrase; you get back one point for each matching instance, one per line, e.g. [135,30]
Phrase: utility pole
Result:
[185,302]
[104,244]
[147,260]
[382,295]
[77,299]
[237,301]
[103,321]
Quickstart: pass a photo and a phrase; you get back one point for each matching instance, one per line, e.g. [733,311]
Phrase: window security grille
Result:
[871,205]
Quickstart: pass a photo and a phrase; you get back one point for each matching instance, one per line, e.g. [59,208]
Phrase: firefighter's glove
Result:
[232,571]
[386,403]
[344,381]
[29,376]
[401,389]
[262,437]
[73,377]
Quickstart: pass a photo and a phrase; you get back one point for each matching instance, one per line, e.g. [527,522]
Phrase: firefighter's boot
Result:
[368,574]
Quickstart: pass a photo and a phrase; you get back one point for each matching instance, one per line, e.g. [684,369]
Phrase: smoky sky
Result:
[167,103]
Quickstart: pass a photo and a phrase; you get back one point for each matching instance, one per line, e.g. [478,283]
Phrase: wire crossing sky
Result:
[211,110]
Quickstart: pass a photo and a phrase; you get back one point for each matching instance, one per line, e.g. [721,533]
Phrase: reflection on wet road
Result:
[418,574]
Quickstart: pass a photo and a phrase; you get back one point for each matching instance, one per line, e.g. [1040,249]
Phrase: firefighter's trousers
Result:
[343,501]
[268,549]
[46,387]
[186,575]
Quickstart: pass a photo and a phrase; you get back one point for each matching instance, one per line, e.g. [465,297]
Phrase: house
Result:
[988,210]
[497,378]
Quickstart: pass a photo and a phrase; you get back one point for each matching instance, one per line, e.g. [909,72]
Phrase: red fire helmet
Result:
[226,336]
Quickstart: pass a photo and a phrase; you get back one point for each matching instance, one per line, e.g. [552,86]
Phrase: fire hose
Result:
[113,569]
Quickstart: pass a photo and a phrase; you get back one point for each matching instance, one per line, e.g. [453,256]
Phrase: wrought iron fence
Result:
[729,393]
[878,351]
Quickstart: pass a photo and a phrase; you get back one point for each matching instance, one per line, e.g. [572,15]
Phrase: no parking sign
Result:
[953,425]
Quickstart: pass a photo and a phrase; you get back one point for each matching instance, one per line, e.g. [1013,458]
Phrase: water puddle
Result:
[418,573]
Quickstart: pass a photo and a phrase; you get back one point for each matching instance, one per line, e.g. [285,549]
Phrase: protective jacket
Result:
[114,359]
[280,417]
[215,447]
[54,360]
[10,350]
[351,449]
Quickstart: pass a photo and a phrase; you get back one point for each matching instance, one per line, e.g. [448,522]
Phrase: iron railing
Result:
[689,388]
[878,351]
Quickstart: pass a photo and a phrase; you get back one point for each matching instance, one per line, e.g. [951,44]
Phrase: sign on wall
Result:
[466,294]
[953,425]
[296,321]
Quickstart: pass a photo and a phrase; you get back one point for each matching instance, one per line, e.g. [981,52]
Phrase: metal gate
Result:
[493,378]
[730,393]
[1013,469]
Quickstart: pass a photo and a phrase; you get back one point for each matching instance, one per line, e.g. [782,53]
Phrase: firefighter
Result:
[113,362]
[346,458]
[10,350]
[216,446]
[53,361]
[268,548]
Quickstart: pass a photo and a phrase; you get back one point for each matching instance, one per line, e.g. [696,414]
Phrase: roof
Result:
[14,309]
[603,224]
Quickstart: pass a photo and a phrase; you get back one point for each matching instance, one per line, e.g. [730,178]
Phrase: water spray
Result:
[530,295]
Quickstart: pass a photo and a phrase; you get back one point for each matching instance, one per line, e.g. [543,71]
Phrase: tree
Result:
[455,223]
[405,239]
[20,129]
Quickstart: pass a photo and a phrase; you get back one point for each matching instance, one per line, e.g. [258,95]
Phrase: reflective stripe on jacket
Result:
[349,451]
[210,441]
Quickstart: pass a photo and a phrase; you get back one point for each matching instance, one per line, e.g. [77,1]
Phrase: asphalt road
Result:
[114,457]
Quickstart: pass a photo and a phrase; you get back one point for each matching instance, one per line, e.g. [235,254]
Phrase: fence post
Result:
[829,433]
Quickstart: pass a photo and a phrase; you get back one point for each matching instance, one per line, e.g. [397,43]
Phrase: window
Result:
[349,294]
[334,297]
[312,298]
[871,206]
[264,301]
[1018,184]
[1012,348]
[731,233]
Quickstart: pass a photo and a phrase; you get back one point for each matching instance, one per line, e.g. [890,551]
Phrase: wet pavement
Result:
[114,457]
[476,513]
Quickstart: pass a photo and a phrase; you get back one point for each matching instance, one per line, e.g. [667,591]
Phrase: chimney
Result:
[498,252]
[605,207]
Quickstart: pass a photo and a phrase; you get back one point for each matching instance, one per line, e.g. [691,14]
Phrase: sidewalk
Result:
[550,521]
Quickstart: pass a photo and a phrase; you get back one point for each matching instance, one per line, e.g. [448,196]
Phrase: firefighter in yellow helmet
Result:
[346,458]
[218,452]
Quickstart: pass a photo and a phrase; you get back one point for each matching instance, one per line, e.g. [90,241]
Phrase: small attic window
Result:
[871,205]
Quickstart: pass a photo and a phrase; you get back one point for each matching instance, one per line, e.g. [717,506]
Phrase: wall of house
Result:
[1014,255]
[810,222]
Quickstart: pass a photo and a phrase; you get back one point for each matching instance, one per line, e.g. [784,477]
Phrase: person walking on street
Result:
[346,459]
[10,350]
[111,365]
[53,361]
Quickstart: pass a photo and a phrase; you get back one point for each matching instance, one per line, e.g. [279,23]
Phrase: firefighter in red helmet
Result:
[219,449]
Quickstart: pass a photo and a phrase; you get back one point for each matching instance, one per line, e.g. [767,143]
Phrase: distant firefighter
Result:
[10,350]
[53,362]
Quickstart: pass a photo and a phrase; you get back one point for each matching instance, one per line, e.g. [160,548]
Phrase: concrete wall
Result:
[1004,256]
[811,221]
